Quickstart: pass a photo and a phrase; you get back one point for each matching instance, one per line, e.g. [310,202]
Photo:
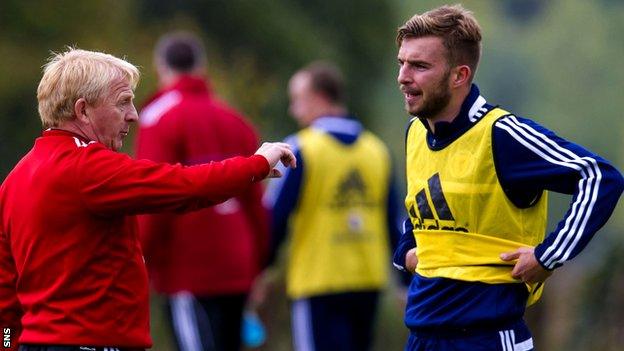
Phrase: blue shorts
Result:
[334,322]
[513,337]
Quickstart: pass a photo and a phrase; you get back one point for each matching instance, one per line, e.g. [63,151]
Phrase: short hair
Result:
[458,28]
[327,79]
[182,52]
[74,74]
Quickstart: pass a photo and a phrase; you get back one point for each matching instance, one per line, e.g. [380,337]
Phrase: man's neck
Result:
[333,111]
[450,112]
[74,128]
[168,77]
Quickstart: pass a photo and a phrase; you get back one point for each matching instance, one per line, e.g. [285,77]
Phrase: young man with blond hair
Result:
[477,177]
[67,210]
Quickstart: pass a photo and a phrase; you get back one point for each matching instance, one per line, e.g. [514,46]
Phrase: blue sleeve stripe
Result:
[568,237]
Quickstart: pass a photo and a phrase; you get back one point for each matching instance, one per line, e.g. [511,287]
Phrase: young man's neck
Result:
[451,111]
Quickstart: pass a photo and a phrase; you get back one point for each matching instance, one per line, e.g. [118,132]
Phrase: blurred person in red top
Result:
[204,262]
[72,274]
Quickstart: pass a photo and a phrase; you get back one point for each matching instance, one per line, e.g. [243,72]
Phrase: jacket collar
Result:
[52,132]
[61,132]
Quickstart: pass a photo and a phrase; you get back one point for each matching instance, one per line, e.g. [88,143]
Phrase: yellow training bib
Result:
[339,237]
[461,216]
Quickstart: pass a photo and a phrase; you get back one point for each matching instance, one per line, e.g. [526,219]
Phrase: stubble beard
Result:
[436,101]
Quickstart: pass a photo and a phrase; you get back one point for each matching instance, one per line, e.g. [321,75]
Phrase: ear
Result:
[80,110]
[460,75]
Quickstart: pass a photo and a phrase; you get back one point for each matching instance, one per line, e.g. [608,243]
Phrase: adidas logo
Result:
[438,217]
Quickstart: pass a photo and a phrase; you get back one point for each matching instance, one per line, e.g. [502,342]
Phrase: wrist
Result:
[260,168]
[538,252]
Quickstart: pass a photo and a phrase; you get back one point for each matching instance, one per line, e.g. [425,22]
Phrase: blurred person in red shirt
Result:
[72,273]
[204,262]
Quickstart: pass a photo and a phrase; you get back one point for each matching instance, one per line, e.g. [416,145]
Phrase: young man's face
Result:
[424,76]
[111,116]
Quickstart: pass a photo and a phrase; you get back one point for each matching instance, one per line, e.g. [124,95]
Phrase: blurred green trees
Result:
[557,62]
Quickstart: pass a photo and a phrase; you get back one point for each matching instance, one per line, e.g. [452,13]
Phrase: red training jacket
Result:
[217,250]
[67,210]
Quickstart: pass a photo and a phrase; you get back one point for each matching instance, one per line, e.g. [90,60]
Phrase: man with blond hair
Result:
[67,209]
[477,178]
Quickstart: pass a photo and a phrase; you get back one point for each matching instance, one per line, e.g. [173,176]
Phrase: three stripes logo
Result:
[438,217]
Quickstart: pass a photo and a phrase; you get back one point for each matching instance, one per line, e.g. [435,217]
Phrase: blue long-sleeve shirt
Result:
[282,194]
[529,159]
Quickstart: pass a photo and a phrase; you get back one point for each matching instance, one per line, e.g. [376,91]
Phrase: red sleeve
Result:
[10,308]
[113,183]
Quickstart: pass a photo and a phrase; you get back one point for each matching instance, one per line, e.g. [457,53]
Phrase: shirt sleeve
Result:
[406,243]
[281,198]
[530,159]
[112,183]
